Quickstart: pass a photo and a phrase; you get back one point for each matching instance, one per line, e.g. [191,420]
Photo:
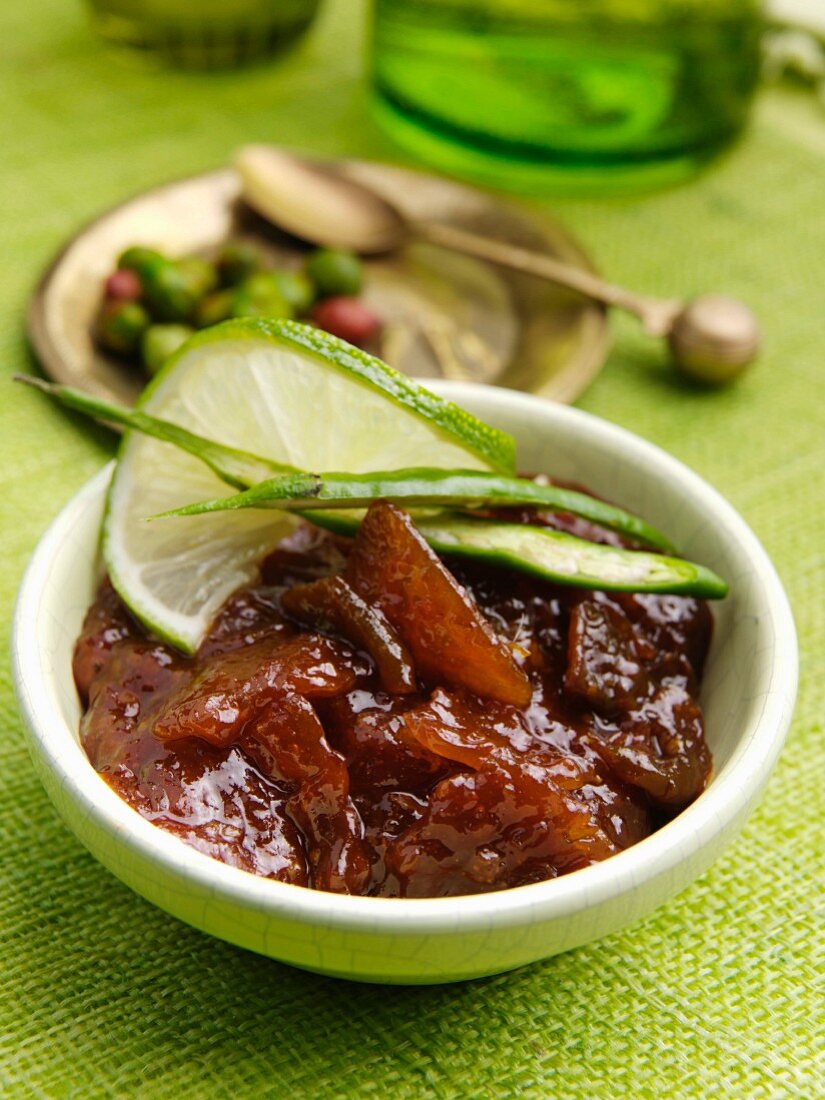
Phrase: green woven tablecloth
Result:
[719,994]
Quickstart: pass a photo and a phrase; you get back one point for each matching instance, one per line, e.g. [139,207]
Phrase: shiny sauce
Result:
[369,719]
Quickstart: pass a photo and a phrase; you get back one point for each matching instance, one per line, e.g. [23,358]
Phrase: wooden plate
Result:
[444,315]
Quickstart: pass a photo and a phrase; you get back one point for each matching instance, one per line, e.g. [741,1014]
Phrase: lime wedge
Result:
[293,396]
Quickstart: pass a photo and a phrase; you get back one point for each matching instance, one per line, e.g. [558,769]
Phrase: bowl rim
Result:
[719,808]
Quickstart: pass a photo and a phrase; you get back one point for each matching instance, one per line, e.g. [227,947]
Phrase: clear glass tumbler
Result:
[203,33]
[542,95]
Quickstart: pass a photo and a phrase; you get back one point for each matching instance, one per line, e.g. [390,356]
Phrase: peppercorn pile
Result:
[152,303]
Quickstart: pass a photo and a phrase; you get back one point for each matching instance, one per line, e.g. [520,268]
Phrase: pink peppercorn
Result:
[348,318]
[123,286]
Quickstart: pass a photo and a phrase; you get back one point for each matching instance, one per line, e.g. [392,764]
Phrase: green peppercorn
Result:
[167,292]
[296,288]
[335,272]
[245,305]
[259,296]
[214,308]
[160,342]
[237,261]
[200,276]
[140,259]
[120,325]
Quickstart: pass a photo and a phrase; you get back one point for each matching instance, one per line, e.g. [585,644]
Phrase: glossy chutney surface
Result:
[366,720]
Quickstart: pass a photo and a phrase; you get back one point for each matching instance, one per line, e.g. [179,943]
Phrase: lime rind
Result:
[416,487]
[495,449]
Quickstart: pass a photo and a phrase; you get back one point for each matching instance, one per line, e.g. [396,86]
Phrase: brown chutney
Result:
[370,719]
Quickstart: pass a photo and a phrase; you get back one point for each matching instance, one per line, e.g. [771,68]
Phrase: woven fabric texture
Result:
[721,992]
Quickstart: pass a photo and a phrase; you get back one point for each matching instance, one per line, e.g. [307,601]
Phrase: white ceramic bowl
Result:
[748,697]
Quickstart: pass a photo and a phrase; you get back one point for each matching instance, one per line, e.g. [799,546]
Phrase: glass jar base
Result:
[548,174]
[199,46]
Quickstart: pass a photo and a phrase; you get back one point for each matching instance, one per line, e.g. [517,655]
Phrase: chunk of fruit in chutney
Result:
[678,625]
[286,740]
[218,702]
[647,728]
[564,790]
[518,817]
[382,753]
[332,604]
[477,833]
[605,663]
[258,698]
[659,747]
[215,800]
[392,567]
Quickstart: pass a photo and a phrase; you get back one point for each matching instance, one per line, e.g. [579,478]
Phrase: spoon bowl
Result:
[310,202]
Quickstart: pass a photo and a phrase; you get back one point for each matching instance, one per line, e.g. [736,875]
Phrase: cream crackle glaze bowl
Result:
[748,695]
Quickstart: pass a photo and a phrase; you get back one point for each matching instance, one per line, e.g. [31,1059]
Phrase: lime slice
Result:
[289,394]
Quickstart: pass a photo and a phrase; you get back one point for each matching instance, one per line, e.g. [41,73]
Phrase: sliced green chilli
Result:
[425,487]
[552,555]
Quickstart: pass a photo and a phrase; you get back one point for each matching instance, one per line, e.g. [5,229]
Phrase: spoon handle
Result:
[656,314]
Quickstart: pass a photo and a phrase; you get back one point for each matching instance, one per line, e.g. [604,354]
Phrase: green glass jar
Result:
[542,95]
[203,33]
